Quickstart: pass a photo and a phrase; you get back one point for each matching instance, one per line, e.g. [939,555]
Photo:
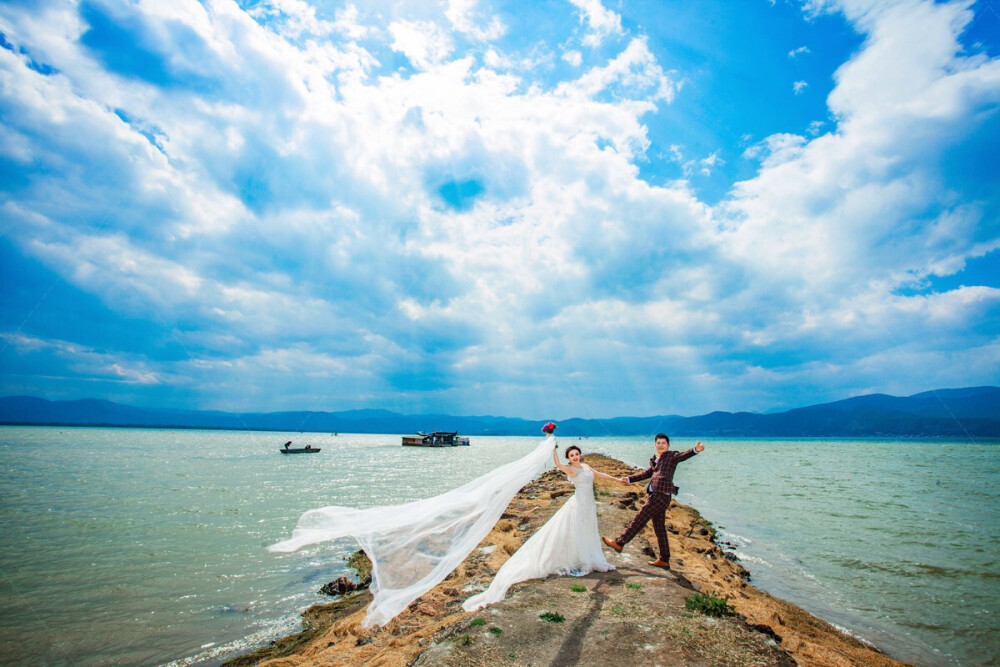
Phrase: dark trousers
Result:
[655,509]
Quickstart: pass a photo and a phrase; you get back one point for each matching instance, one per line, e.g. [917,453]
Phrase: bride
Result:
[568,543]
[414,546]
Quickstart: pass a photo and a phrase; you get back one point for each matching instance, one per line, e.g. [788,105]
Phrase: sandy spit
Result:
[633,615]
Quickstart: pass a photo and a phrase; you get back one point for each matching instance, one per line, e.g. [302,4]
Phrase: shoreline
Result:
[633,610]
[865,437]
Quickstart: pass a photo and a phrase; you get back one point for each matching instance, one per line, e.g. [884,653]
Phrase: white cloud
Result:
[802,50]
[462,14]
[703,166]
[573,57]
[635,69]
[710,162]
[89,363]
[776,149]
[602,22]
[859,210]
[288,220]
[292,18]
[424,43]
[346,23]
[799,87]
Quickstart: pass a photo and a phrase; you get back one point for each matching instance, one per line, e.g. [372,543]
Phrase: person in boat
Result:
[309,446]
[288,444]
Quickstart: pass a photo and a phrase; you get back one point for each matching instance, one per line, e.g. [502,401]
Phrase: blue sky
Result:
[538,209]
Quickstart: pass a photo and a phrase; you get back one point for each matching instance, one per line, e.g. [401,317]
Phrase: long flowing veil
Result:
[413,547]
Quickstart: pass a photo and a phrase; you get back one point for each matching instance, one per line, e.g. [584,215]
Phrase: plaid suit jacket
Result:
[662,471]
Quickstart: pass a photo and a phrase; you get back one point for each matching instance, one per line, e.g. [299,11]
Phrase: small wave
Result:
[850,633]
[747,558]
[244,644]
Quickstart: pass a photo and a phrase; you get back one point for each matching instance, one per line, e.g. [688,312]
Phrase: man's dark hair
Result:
[662,436]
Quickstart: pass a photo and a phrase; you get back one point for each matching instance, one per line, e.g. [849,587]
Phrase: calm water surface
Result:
[132,546]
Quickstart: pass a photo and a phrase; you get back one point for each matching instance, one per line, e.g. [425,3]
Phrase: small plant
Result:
[463,640]
[552,617]
[710,604]
[634,585]
[577,588]
[618,610]
[496,631]
[477,621]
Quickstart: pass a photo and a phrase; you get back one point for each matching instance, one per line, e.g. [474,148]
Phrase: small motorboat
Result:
[308,449]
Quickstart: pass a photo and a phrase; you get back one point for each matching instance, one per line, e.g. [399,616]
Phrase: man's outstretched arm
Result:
[645,474]
[691,452]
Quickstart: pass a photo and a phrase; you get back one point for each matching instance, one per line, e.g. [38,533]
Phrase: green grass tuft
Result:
[577,588]
[496,631]
[710,604]
[634,585]
[477,621]
[552,617]
[463,640]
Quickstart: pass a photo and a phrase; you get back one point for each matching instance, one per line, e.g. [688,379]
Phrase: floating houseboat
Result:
[436,439]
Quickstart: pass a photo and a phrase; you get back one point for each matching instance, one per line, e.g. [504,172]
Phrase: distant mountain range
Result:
[973,412]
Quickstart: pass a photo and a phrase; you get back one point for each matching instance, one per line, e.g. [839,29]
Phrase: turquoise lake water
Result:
[133,546]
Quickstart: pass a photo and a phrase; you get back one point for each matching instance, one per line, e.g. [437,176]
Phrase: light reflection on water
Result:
[132,546]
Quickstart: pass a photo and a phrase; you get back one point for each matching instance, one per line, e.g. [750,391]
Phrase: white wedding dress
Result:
[568,544]
[414,546]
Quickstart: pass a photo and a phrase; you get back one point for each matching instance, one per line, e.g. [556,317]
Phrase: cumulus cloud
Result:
[409,209]
[833,226]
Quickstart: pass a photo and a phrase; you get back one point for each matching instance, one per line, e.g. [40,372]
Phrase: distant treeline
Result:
[973,412]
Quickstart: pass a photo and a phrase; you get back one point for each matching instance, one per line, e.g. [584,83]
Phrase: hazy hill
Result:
[969,412]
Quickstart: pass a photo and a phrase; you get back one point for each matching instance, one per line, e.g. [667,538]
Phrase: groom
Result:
[661,487]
